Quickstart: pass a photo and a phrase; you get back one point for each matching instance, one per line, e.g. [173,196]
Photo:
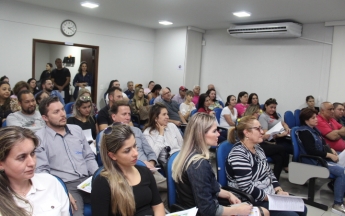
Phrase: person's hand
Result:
[243,209]
[160,128]
[73,203]
[266,136]
[233,199]
[283,134]
[334,152]
[177,123]
[283,193]
[149,165]
[334,158]
[212,113]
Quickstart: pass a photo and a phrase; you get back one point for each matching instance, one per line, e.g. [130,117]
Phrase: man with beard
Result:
[64,152]
[28,117]
[47,86]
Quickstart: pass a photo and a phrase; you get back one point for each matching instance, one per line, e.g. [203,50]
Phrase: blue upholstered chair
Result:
[296,115]
[289,119]
[68,108]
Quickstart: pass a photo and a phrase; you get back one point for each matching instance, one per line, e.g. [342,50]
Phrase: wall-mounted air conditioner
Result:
[271,30]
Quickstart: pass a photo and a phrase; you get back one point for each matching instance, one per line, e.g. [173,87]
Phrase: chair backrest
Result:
[289,119]
[98,144]
[68,107]
[221,103]
[222,153]
[140,163]
[296,114]
[262,106]
[193,112]
[295,144]
[151,101]
[66,190]
[218,111]
[170,180]
[4,124]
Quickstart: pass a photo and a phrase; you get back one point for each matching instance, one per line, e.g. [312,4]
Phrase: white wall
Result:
[42,57]
[126,51]
[285,69]
[170,48]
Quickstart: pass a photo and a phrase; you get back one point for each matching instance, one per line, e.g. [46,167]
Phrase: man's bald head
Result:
[166,95]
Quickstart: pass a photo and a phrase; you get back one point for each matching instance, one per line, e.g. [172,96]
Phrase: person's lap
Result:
[80,196]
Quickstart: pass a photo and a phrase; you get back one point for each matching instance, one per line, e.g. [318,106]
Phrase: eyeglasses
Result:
[260,129]
[109,129]
[85,98]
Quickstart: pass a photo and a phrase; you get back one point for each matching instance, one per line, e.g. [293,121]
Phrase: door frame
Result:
[96,48]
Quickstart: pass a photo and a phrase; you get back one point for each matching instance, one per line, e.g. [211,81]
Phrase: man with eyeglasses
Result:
[175,116]
[330,129]
[64,152]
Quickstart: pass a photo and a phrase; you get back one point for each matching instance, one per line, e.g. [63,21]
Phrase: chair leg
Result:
[311,194]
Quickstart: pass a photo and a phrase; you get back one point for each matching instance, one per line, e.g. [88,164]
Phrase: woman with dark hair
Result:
[229,113]
[253,99]
[82,79]
[204,103]
[163,136]
[269,118]
[242,103]
[5,79]
[122,187]
[5,101]
[33,87]
[313,144]
[155,92]
[46,74]
[140,105]
[214,103]
[247,168]
[24,192]
[311,103]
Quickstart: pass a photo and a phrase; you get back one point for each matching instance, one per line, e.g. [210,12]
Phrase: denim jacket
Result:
[199,188]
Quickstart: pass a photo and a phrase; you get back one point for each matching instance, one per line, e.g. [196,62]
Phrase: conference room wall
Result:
[285,69]
[126,51]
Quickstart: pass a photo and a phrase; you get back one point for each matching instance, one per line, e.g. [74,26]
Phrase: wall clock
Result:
[68,28]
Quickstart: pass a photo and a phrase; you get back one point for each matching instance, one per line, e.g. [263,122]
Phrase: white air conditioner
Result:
[271,30]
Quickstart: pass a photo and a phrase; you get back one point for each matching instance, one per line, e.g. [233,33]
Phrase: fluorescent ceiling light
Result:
[164,22]
[242,14]
[89,4]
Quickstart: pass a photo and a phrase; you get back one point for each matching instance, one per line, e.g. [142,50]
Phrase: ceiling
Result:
[204,14]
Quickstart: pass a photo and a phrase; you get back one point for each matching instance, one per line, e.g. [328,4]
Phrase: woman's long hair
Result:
[202,99]
[153,115]
[9,136]
[228,99]
[122,198]
[238,131]
[139,102]
[208,92]
[7,104]
[269,102]
[250,98]
[194,141]
[79,102]
[80,71]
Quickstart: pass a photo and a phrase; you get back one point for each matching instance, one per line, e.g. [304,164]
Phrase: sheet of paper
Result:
[341,157]
[188,212]
[255,211]
[285,203]
[88,134]
[86,185]
[276,129]
[155,169]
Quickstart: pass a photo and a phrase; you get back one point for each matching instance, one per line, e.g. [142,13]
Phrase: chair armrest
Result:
[319,159]
[242,194]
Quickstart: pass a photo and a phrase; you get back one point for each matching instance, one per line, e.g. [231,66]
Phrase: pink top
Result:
[325,127]
[195,99]
[241,109]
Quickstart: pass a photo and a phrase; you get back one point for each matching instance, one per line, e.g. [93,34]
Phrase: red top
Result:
[202,110]
[325,127]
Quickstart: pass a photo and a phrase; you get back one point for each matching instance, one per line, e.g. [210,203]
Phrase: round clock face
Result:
[68,28]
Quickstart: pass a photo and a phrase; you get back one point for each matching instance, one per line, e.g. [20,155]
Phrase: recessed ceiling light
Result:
[164,22]
[242,14]
[89,4]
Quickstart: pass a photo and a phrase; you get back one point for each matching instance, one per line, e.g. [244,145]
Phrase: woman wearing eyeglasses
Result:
[140,105]
[163,136]
[123,188]
[269,118]
[83,115]
[247,168]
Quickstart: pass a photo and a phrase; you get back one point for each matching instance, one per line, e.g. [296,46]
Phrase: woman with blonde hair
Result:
[140,105]
[22,191]
[123,188]
[196,183]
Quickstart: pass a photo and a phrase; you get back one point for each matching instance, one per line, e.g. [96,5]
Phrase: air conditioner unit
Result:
[271,30]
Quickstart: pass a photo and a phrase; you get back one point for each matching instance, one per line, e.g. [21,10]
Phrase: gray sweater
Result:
[33,122]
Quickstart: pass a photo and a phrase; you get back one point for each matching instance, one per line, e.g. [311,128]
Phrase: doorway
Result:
[87,53]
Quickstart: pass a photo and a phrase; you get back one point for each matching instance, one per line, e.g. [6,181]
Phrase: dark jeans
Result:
[286,142]
[278,155]
[281,213]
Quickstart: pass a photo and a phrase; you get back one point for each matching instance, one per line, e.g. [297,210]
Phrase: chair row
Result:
[292,119]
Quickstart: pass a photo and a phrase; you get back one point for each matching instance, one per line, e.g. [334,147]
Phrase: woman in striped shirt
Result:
[247,168]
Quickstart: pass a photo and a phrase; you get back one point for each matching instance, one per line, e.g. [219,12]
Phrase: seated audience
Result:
[253,99]
[247,168]
[5,101]
[163,136]
[33,86]
[196,92]
[47,86]
[181,96]
[85,92]
[313,144]
[196,183]
[140,105]
[211,86]
[155,92]
[46,74]
[229,113]
[114,83]
[242,103]
[39,97]
[188,106]
[175,116]
[149,88]
[339,113]
[103,118]
[276,152]
[83,115]
[330,129]
[311,103]
[82,79]
[130,89]
[24,192]
[75,161]
[269,118]
[5,79]
[204,103]
[28,117]
[214,103]
[19,86]
[123,188]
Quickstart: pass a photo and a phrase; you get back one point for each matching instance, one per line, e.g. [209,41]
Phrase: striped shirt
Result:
[250,172]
